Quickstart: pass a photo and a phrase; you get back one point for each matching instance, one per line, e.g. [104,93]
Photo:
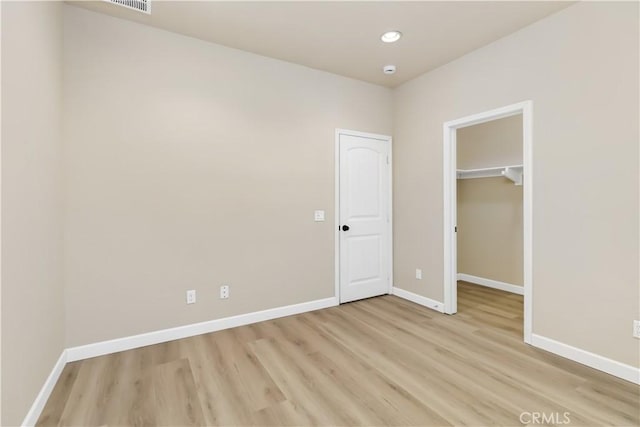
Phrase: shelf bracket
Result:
[513,174]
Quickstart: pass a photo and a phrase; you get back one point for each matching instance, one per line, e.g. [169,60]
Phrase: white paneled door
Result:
[364,224]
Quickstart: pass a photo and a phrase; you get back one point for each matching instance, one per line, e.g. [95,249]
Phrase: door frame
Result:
[450,203]
[336,222]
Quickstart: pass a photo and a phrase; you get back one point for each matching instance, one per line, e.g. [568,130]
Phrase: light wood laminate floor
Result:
[380,361]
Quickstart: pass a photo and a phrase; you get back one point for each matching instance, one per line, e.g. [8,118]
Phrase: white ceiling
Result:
[344,37]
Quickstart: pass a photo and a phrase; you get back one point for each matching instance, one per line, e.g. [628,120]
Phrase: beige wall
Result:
[190,165]
[490,229]
[580,68]
[494,143]
[32,291]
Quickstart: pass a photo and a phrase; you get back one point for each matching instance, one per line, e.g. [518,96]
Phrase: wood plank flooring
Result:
[380,361]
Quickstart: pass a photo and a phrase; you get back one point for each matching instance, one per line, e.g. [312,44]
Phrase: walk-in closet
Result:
[490,217]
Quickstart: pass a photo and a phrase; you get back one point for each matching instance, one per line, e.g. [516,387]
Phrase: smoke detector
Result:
[143,6]
[389,69]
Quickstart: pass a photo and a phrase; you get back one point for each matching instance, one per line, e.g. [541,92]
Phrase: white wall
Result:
[580,69]
[189,165]
[32,290]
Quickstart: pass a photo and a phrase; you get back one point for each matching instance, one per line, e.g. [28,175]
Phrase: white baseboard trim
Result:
[490,283]
[418,299]
[157,337]
[45,392]
[601,363]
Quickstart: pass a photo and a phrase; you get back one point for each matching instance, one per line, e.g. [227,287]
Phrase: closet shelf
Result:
[514,173]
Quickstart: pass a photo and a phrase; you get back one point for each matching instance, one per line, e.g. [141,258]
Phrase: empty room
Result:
[325,213]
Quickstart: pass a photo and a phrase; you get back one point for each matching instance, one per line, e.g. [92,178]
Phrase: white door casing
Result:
[450,204]
[363,215]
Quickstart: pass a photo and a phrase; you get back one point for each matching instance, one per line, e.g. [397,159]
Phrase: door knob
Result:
[345,228]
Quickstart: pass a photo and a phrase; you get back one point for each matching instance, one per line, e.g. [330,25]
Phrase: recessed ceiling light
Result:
[391,36]
[389,69]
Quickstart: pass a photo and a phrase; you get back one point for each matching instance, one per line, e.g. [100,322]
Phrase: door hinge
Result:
[455,229]
[387,159]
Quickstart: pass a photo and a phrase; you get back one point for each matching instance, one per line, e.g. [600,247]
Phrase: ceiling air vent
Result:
[139,5]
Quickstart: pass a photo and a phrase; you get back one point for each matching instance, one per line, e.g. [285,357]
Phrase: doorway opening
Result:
[506,166]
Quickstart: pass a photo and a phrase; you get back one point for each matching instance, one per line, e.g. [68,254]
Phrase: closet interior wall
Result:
[489,217]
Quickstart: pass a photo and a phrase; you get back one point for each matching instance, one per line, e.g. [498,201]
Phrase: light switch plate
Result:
[191,296]
[318,215]
[418,274]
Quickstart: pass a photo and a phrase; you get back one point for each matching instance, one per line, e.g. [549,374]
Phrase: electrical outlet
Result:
[636,328]
[224,291]
[191,296]
[418,274]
